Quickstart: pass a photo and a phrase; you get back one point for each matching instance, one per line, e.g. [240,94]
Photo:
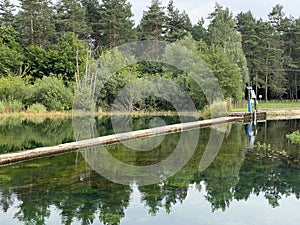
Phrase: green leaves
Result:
[52,93]
[11,54]
[294,137]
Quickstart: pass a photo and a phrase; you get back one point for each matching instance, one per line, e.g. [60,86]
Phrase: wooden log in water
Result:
[10,158]
[249,116]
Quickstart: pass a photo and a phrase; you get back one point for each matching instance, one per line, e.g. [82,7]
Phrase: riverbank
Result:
[271,114]
[28,115]
[283,114]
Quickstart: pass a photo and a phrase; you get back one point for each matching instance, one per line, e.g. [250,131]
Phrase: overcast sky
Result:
[201,8]
[197,9]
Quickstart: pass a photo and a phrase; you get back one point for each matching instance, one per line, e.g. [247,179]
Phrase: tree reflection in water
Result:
[80,194]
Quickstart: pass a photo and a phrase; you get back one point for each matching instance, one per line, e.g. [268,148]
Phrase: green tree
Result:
[11,52]
[71,17]
[292,41]
[178,24]
[65,55]
[153,22]
[93,20]
[6,12]
[113,76]
[216,61]
[116,23]
[35,22]
[58,61]
[290,61]
[277,78]
[263,31]
[199,32]
[222,34]
[246,25]
[36,62]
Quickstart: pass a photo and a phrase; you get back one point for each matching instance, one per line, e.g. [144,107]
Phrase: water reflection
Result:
[239,179]
[17,134]
[20,134]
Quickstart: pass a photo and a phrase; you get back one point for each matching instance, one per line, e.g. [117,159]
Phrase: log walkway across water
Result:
[15,157]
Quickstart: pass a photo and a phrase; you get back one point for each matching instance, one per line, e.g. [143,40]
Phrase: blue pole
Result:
[249,105]
[249,129]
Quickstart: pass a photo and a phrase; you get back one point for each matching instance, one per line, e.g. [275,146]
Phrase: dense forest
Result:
[45,47]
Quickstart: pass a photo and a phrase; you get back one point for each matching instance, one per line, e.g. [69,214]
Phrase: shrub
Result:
[11,106]
[12,88]
[215,110]
[2,107]
[37,108]
[294,137]
[15,106]
[52,93]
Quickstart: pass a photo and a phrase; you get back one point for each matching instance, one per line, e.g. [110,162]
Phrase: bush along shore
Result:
[47,94]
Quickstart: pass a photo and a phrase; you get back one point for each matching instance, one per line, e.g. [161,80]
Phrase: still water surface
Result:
[242,184]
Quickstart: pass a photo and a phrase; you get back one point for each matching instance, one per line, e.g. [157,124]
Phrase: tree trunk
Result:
[31,27]
[256,83]
[267,74]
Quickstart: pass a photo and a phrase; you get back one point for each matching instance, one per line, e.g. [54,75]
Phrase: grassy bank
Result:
[30,115]
[269,106]
[274,109]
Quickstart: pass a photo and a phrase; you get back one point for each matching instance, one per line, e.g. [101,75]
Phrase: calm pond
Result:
[248,180]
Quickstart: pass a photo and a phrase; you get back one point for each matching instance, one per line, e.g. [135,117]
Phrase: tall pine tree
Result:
[246,25]
[116,23]
[178,24]
[153,22]
[6,12]
[35,22]
[71,17]
[222,34]
[277,76]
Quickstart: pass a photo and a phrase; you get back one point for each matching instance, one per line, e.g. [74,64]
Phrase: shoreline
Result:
[283,114]
[271,114]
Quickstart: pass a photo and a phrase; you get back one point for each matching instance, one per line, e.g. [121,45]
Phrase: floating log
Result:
[15,157]
[249,116]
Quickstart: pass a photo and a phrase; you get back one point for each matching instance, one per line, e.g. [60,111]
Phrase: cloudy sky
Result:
[201,8]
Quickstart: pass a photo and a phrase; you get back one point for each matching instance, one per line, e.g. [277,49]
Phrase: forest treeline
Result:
[45,47]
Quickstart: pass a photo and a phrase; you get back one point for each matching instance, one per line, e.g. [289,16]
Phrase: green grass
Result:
[271,105]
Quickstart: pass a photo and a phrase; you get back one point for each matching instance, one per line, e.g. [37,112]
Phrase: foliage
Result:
[59,60]
[13,88]
[178,24]
[153,22]
[116,23]
[37,108]
[222,34]
[6,12]
[2,107]
[294,137]
[71,17]
[13,106]
[52,93]
[11,54]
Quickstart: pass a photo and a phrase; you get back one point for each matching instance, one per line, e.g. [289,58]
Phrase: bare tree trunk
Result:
[41,35]
[77,76]
[267,74]
[256,83]
[31,26]
[296,79]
